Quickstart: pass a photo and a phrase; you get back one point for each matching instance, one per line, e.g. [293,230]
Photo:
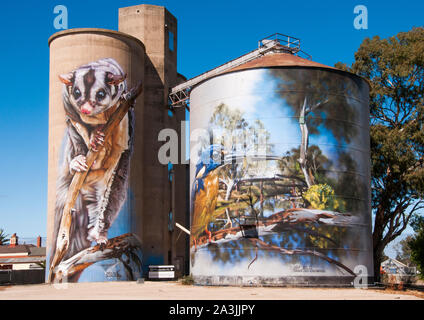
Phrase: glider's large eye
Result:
[76,93]
[100,95]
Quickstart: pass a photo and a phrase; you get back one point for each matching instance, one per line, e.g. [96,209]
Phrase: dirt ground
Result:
[176,291]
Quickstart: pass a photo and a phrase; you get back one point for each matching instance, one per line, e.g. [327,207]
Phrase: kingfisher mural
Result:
[282,191]
[205,190]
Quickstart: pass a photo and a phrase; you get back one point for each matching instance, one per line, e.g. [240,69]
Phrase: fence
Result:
[22,276]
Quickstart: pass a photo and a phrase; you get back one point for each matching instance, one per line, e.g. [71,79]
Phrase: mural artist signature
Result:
[301,268]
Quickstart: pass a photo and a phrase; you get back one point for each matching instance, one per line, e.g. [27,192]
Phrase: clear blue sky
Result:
[210,33]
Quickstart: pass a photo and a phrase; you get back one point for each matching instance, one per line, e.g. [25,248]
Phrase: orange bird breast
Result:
[205,203]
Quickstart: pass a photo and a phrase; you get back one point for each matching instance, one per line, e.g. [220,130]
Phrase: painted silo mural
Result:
[280,177]
[92,239]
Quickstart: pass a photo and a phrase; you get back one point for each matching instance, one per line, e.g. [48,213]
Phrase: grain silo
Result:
[279,171]
[90,71]
[112,205]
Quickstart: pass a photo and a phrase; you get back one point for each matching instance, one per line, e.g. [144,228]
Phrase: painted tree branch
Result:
[267,246]
[63,238]
[126,244]
[285,219]
[305,110]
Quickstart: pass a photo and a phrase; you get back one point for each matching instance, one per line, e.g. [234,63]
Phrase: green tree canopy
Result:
[416,245]
[395,69]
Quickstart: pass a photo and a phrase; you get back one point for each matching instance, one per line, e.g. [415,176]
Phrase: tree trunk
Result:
[304,145]
[377,257]
[378,247]
[261,199]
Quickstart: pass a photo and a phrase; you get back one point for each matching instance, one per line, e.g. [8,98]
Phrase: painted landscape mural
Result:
[279,176]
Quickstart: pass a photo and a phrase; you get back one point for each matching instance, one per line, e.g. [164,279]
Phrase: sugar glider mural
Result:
[92,185]
[282,194]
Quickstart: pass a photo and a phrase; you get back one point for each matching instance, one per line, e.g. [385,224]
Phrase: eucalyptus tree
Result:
[395,69]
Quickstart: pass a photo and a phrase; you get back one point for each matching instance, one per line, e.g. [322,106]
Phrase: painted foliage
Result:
[280,174]
[100,245]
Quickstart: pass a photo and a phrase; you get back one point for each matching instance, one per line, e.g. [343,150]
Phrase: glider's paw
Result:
[78,164]
[97,139]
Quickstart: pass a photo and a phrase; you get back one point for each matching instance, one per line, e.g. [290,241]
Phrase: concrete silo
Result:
[280,174]
[90,71]
[124,211]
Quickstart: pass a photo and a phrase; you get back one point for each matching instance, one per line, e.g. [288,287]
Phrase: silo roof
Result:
[108,32]
[279,60]
[286,60]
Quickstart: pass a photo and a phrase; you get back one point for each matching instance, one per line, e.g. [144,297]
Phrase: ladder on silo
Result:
[276,43]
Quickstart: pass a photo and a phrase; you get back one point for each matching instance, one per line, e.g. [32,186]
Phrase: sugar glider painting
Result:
[91,95]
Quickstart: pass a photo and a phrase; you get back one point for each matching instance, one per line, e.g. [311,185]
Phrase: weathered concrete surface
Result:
[176,291]
[153,25]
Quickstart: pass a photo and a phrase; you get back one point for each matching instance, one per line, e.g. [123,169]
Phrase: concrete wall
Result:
[153,25]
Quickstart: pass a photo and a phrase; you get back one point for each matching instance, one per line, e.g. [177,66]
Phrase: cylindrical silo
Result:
[90,72]
[280,175]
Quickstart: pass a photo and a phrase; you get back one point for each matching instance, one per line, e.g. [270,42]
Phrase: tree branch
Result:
[267,246]
[284,219]
[126,244]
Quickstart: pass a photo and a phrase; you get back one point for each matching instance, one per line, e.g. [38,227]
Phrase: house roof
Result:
[391,261]
[26,249]
[21,248]
[37,251]
[21,260]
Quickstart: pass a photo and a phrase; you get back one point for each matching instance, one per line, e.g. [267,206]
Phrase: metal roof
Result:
[20,248]
[37,251]
[279,60]
[22,260]
[275,51]
[29,249]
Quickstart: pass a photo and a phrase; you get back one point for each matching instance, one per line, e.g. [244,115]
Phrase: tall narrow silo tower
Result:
[164,197]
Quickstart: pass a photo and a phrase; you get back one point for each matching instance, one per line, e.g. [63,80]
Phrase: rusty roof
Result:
[279,60]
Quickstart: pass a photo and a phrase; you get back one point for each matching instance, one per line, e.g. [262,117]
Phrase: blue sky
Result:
[210,33]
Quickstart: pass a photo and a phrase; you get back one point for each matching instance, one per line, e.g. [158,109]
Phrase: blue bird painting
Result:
[205,190]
